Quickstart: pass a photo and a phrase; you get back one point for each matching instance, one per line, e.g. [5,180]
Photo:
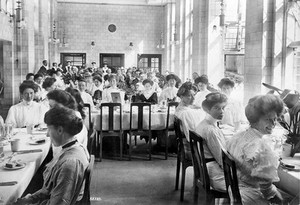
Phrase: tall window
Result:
[152,61]
[76,59]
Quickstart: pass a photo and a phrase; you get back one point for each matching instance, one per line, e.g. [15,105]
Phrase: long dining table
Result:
[158,119]
[31,154]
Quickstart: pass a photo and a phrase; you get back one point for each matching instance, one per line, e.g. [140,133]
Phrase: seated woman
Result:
[64,175]
[234,111]
[148,94]
[201,82]
[169,94]
[63,98]
[256,161]
[27,112]
[185,111]
[214,140]
[106,94]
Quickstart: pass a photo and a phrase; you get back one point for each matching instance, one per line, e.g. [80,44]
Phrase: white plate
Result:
[15,168]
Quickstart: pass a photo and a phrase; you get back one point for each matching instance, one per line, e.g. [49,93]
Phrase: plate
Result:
[15,168]
[36,143]
[290,161]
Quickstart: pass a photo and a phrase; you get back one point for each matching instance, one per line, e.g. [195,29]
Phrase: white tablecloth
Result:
[290,180]
[158,120]
[22,176]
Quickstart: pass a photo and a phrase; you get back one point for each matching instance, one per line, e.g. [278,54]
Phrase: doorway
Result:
[112,60]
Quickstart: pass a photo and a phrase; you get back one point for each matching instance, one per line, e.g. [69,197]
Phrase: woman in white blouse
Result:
[256,161]
[214,140]
[106,94]
[234,112]
[186,111]
[27,112]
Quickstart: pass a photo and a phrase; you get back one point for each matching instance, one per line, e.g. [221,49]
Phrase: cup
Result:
[15,145]
[29,129]
[286,150]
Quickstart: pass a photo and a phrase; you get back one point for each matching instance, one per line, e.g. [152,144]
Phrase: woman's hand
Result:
[25,200]
[277,199]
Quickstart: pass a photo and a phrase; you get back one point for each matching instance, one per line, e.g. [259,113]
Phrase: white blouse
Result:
[169,93]
[24,113]
[190,118]
[256,162]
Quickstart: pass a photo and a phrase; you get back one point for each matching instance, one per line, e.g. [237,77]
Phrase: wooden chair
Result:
[168,129]
[183,157]
[87,177]
[201,177]
[232,185]
[140,129]
[111,130]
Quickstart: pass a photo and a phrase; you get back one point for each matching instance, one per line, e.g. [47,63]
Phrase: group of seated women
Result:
[256,160]
[64,119]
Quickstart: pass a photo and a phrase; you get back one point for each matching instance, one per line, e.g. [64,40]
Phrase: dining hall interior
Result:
[149,102]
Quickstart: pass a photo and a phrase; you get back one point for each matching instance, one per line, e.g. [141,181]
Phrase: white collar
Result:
[210,119]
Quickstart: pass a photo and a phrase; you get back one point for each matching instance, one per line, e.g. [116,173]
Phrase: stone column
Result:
[259,46]
[208,55]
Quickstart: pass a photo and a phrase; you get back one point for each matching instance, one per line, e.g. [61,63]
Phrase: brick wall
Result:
[83,23]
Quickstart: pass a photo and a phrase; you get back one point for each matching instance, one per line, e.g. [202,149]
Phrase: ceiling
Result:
[125,2]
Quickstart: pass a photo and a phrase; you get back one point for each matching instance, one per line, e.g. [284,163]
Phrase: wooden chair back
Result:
[88,176]
[230,174]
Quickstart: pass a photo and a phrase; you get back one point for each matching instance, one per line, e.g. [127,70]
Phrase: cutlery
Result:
[29,151]
[10,183]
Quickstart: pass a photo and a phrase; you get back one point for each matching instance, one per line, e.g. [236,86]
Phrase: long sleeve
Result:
[11,116]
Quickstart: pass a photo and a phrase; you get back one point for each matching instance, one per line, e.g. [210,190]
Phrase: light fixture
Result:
[54,38]
[64,42]
[161,44]
[20,21]
[130,46]
[175,37]
[222,14]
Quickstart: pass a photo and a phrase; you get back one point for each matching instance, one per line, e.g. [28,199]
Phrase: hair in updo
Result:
[65,117]
[63,97]
[226,81]
[212,99]
[261,105]
[201,79]
[185,88]
[28,84]
[148,81]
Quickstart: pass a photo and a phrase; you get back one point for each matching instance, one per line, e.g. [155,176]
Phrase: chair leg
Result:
[121,145]
[129,146]
[177,171]
[182,183]
[96,141]
[135,140]
[196,193]
[101,143]
[166,155]
[150,147]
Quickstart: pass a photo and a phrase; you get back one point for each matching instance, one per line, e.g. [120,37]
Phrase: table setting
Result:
[23,151]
